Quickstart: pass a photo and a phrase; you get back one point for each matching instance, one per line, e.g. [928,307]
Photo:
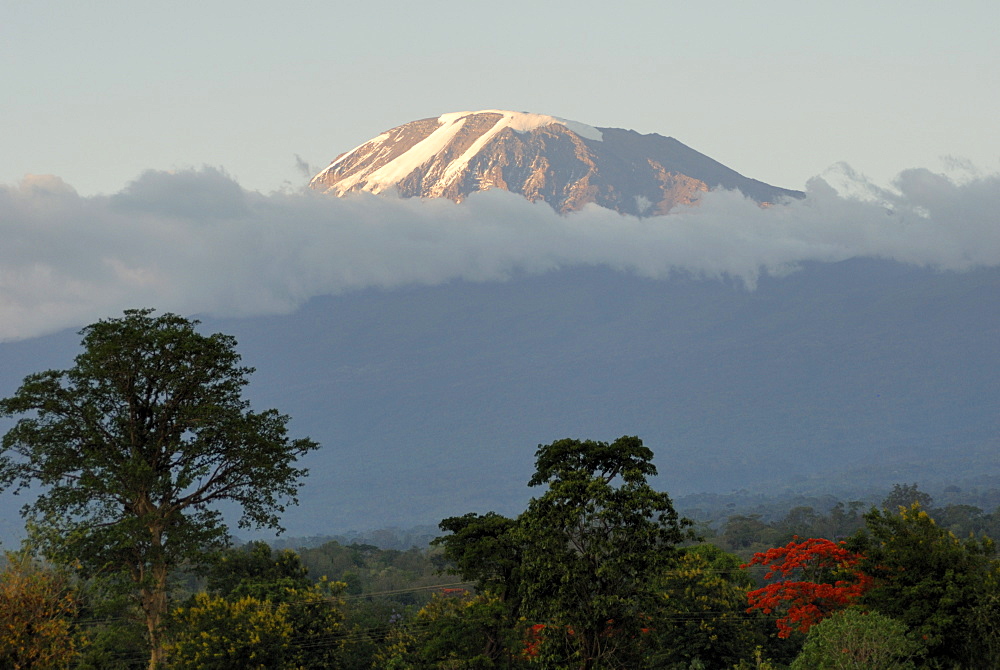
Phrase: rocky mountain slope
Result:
[565,163]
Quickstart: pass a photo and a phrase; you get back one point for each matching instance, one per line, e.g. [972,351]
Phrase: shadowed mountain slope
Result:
[430,401]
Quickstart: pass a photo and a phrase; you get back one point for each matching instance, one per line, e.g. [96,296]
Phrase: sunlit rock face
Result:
[565,163]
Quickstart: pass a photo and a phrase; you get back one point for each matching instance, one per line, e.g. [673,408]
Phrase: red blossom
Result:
[805,602]
[534,640]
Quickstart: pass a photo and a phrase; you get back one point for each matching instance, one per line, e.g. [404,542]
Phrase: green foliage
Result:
[301,630]
[940,587]
[256,570]
[219,634]
[397,651]
[703,615]
[983,638]
[38,606]
[576,567]
[591,543]
[759,661]
[462,630]
[278,581]
[366,569]
[963,519]
[112,624]
[906,495]
[455,630]
[854,639]
[388,587]
[715,561]
[744,531]
[567,460]
[133,445]
[484,549]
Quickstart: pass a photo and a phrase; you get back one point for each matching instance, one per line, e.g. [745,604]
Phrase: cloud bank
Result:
[196,242]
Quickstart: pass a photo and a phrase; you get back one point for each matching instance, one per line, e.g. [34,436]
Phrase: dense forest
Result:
[930,600]
[129,564]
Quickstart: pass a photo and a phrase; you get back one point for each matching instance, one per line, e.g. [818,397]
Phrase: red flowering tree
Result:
[816,578]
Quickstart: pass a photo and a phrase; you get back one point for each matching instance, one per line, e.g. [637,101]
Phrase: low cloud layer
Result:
[196,242]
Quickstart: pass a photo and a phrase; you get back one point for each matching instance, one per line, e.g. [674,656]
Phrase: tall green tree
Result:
[135,443]
[593,543]
[578,568]
[485,549]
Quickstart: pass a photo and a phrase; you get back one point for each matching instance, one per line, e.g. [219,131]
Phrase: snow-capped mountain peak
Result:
[566,163]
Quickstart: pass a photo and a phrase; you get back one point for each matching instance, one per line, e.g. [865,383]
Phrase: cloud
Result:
[303,166]
[194,241]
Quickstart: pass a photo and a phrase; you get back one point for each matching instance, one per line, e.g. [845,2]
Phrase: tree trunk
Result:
[153,594]
[154,607]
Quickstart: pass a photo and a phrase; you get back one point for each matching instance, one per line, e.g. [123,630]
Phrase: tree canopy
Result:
[944,589]
[134,444]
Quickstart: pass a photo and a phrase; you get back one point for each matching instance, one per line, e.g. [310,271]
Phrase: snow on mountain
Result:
[565,163]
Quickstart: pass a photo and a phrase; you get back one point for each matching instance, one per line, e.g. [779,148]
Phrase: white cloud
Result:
[196,242]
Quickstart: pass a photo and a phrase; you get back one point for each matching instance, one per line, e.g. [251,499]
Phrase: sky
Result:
[156,153]
[96,93]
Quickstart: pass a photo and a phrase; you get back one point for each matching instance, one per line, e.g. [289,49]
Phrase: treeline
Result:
[745,533]
[744,523]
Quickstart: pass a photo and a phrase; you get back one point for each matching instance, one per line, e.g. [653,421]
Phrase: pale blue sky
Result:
[96,93]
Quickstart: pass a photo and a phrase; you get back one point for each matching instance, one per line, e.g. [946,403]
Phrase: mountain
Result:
[565,163]
[429,401]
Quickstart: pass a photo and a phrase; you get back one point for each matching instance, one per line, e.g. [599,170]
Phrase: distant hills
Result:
[565,163]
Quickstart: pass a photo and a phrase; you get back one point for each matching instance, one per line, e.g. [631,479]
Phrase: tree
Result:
[742,531]
[263,577]
[462,630]
[135,443]
[484,549]
[291,627]
[703,615]
[256,570]
[591,547]
[110,625]
[219,634]
[456,629]
[578,568]
[827,581]
[853,639]
[905,495]
[942,588]
[37,608]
